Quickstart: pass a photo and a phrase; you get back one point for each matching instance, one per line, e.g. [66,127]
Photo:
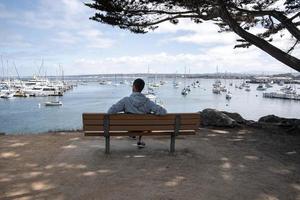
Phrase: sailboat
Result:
[216,90]
[187,89]
[150,94]
[217,85]
[116,83]
[228,95]
[175,83]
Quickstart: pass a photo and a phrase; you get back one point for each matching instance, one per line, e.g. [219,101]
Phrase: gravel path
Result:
[222,164]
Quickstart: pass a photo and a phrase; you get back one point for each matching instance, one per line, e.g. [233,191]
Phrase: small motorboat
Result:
[176,85]
[53,103]
[261,87]
[216,90]
[228,96]
[151,96]
[184,92]
[7,95]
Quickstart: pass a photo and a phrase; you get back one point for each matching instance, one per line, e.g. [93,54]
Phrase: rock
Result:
[290,125]
[252,123]
[269,119]
[273,119]
[2,133]
[236,116]
[212,117]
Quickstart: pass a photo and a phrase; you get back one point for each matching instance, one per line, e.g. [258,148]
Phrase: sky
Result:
[59,33]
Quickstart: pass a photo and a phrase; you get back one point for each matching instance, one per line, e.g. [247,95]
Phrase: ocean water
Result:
[29,115]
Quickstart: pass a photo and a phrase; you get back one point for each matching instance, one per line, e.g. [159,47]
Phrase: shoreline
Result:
[212,118]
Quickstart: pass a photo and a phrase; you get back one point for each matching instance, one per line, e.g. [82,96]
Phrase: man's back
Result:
[137,103]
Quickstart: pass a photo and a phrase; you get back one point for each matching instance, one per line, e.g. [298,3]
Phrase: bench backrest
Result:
[96,123]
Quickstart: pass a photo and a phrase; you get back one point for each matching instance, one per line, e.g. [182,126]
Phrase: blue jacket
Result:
[137,103]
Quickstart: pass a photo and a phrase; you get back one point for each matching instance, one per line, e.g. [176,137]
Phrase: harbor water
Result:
[30,115]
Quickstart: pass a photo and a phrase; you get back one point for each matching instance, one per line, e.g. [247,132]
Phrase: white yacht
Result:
[40,91]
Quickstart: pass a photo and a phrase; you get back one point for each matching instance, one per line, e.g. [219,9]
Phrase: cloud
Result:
[65,38]
[65,22]
[64,14]
[61,32]
[206,36]
[225,57]
[96,39]
[4,14]
[88,38]
[13,40]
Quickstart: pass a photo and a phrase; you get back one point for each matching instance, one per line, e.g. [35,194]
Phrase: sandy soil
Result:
[236,164]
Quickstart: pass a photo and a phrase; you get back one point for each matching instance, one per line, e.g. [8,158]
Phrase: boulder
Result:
[290,125]
[269,119]
[236,116]
[273,119]
[213,117]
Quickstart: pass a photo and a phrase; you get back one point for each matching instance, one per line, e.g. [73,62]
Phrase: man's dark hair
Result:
[139,84]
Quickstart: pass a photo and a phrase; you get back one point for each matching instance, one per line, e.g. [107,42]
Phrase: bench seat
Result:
[102,124]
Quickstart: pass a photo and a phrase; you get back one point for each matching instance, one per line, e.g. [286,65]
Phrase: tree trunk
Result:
[278,54]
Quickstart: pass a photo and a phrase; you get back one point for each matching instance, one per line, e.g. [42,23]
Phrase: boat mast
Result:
[148,72]
[7,70]
[61,72]
[42,64]
[16,70]
[184,81]
[3,78]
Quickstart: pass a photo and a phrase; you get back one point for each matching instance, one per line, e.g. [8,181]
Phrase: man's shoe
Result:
[133,137]
[141,144]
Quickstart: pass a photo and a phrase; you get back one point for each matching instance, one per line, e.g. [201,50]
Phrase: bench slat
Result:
[99,133]
[141,127]
[93,128]
[141,117]
[149,127]
[98,116]
[142,122]
[92,116]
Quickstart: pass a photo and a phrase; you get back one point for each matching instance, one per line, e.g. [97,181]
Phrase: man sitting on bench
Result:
[137,103]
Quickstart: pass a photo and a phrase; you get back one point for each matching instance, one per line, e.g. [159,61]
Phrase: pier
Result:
[281,95]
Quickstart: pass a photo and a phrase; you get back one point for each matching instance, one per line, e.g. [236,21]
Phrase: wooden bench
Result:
[101,124]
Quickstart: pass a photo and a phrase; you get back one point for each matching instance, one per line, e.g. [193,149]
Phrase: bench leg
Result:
[172,145]
[107,144]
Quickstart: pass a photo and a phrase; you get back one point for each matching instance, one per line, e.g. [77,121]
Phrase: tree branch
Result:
[293,47]
[159,12]
[288,24]
[280,55]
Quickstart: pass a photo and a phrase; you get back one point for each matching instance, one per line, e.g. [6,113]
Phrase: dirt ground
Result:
[222,164]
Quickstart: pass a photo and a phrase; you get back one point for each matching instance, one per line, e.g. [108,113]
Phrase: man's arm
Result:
[157,109]
[117,107]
